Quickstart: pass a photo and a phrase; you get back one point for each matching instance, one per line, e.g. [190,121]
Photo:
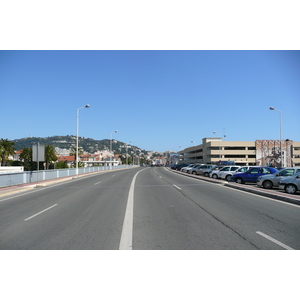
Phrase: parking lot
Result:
[274,193]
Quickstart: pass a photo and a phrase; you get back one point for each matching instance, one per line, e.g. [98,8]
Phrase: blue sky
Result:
[159,100]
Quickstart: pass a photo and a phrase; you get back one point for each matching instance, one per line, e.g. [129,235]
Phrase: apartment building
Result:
[259,152]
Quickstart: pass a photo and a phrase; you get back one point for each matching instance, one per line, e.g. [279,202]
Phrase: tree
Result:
[50,155]
[6,149]
[26,158]
[62,165]
[80,152]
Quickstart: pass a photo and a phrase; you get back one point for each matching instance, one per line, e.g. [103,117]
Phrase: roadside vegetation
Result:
[7,149]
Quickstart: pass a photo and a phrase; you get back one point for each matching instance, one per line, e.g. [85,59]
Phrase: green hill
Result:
[68,141]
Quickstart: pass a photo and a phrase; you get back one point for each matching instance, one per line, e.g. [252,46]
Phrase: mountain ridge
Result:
[68,141]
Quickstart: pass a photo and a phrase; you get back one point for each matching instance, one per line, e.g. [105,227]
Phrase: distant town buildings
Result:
[211,151]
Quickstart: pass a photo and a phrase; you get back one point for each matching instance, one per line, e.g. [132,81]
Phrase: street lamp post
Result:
[219,143]
[179,154]
[281,162]
[126,154]
[77,125]
[132,153]
[116,131]
[195,150]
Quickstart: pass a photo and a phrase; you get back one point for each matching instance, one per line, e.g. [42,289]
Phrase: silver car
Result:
[206,169]
[290,184]
[218,173]
[195,169]
[227,174]
[189,167]
[272,180]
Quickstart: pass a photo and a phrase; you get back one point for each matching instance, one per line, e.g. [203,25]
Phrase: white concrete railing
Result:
[11,179]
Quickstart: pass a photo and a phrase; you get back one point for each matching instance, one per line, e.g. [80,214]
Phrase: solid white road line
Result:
[126,236]
[97,183]
[274,241]
[40,212]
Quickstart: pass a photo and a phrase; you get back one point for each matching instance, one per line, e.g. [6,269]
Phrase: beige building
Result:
[266,152]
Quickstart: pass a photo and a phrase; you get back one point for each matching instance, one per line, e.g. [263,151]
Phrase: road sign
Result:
[38,152]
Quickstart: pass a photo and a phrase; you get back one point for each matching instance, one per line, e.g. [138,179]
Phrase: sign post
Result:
[38,154]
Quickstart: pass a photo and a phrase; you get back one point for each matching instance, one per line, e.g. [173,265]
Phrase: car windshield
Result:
[225,169]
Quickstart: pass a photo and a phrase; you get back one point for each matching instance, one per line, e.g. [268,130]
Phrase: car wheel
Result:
[194,173]
[239,180]
[267,184]
[215,176]
[206,174]
[228,177]
[290,189]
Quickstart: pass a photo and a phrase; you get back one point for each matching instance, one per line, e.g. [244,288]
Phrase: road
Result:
[145,208]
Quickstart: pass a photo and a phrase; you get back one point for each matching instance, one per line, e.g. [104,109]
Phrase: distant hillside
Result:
[68,141]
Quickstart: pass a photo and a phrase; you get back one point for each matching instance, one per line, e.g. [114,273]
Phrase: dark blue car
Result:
[252,174]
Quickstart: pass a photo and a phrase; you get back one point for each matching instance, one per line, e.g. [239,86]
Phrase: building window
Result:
[234,156]
[200,150]
[234,148]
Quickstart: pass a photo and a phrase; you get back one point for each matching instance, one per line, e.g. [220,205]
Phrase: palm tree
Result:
[80,152]
[6,149]
[26,157]
[50,155]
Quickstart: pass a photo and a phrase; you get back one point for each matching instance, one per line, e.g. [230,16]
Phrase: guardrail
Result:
[12,179]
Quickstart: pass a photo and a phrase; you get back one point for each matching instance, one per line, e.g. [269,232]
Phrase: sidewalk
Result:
[252,188]
[10,190]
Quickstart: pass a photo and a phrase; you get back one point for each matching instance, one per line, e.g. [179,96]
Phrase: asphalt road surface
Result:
[145,208]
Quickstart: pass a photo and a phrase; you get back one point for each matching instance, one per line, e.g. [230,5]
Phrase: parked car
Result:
[206,169]
[290,184]
[185,169]
[272,180]
[195,169]
[252,174]
[179,166]
[218,173]
[227,174]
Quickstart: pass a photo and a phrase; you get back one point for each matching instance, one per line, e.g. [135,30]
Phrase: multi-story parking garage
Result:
[259,152]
